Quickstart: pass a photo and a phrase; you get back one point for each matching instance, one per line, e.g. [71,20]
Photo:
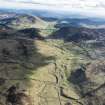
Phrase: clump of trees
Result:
[5,52]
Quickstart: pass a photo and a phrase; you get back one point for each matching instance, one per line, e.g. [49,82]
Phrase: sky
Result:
[96,7]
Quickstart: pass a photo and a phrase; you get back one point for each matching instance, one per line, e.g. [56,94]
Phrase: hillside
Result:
[61,66]
[78,34]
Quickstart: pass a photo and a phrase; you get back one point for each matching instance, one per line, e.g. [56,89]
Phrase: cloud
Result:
[87,7]
[66,3]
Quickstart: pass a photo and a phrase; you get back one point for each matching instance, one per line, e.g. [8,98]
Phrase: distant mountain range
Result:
[61,17]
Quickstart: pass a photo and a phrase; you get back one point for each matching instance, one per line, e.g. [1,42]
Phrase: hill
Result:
[54,66]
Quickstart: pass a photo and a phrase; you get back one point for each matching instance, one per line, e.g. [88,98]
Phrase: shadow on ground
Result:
[19,55]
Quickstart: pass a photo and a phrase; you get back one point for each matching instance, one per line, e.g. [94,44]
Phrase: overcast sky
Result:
[96,7]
